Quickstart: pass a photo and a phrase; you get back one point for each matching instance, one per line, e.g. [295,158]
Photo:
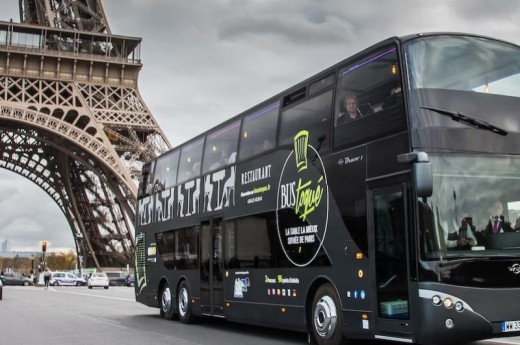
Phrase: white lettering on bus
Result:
[287,196]
[256,174]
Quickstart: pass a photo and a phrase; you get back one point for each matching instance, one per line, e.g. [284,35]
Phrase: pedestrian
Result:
[47,277]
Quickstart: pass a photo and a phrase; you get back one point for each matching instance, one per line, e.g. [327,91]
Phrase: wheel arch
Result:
[183,278]
[162,282]
[311,292]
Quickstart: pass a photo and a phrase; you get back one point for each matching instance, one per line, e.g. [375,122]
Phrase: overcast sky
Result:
[207,60]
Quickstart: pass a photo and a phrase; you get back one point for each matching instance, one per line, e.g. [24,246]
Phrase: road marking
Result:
[501,341]
[86,294]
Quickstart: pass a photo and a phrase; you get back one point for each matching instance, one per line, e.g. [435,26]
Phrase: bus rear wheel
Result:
[183,304]
[327,317]
[166,302]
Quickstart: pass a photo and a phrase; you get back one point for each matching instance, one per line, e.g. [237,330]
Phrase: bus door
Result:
[212,268]
[388,227]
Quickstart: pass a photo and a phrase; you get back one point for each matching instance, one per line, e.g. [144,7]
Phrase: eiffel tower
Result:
[73,122]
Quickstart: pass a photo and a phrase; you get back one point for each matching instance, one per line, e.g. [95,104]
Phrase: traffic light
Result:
[44,246]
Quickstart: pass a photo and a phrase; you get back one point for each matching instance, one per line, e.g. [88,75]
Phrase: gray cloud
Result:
[30,216]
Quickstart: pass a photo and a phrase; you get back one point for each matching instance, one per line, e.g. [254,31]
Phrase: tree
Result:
[62,261]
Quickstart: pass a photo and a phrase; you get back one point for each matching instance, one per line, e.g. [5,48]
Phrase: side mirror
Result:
[422,172]
[423,177]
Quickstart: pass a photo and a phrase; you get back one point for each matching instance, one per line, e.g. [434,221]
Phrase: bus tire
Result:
[183,304]
[327,317]
[167,305]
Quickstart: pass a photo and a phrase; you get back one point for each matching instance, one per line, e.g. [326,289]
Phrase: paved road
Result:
[77,315]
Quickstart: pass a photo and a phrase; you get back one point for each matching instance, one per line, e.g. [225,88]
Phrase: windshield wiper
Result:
[458,260]
[469,120]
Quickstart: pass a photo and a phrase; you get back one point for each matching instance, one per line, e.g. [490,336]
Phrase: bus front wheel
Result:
[183,304]
[327,317]
[166,302]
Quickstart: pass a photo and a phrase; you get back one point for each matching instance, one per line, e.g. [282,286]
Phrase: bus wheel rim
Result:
[325,317]
[166,300]
[183,302]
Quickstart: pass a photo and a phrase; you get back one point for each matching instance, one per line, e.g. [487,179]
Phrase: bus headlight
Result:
[459,306]
[448,303]
[436,300]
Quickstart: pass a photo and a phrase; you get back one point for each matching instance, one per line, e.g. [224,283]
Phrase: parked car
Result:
[99,279]
[65,278]
[1,288]
[117,278]
[16,279]
[130,280]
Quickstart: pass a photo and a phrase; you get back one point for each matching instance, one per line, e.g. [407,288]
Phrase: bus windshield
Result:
[474,209]
[461,83]
[464,63]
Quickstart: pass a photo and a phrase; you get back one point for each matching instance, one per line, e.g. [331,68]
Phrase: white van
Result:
[65,278]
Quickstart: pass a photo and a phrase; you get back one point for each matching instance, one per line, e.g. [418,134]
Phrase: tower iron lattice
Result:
[73,122]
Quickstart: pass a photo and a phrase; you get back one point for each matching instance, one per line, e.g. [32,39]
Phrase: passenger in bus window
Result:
[464,237]
[265,146]
[225,159]
[350,110]
[232,157]
[496,223]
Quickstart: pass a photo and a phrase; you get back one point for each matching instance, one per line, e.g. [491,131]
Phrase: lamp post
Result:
[41,265]
[79,252]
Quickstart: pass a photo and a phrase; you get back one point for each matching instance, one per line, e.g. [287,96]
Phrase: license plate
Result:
[510,326]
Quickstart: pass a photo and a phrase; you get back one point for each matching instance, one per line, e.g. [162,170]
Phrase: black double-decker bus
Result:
[378,199]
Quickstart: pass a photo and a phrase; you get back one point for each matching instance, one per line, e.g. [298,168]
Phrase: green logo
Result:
[308,194]
[302,202]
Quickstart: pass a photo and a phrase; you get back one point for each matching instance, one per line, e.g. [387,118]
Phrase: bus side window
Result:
[312,115]
[221,147]
[373,81]
[259,131]
[189,163]
[166,171]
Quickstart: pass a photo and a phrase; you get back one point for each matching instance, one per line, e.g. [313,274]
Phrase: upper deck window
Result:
[221,147]
[189,163]
[259,131]
[368,86]
[166,170]
[455,76]
[464,63]
[322,84]
[312,115]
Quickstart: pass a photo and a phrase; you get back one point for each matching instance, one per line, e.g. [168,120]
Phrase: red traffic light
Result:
[44,246]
